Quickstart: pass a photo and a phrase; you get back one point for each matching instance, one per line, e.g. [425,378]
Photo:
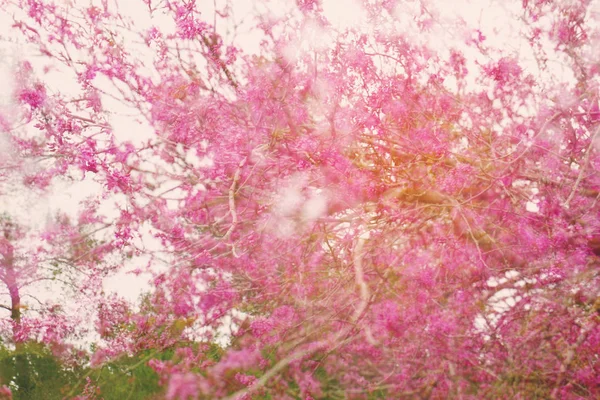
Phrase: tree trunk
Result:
[9,278]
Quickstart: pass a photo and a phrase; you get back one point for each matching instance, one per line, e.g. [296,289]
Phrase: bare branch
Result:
[582,168]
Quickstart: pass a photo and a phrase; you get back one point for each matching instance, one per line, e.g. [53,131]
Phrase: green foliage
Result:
[33,372]
[215,352]
[127,379]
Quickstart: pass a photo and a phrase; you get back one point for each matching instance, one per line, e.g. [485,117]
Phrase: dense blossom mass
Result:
[405,205]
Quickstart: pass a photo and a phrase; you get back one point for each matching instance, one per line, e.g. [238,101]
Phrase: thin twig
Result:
[232,191]
[582,168]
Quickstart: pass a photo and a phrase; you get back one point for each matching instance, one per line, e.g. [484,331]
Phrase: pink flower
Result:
[152,34]
[183,387]
[307,5]
[118,180]
[5,393]
[35,96]
[261,327]
[244,379]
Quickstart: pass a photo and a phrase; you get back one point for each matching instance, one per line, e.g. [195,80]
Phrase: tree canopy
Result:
[405,205]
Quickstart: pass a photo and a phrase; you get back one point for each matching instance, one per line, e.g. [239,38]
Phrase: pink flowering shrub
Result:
[397,208]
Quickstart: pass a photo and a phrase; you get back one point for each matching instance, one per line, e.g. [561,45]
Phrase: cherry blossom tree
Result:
[404,207]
